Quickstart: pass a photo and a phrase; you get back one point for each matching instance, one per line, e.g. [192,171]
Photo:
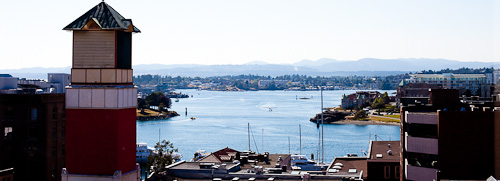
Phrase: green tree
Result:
[155,98]
[378,103]
[385,97]
[158,162]
[141,104]
[360,115]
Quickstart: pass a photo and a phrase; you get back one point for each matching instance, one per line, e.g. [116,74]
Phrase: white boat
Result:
[142,152]
[199,155]
[176,156]
[301,162]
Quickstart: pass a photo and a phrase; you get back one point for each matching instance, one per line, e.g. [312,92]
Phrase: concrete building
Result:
[32,135]
[408,93]
[496,76]
[477,84]
[439,140]
[58,82]
[101,100]
[8,82]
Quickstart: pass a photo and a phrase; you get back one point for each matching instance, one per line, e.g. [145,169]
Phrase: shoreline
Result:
[357,122]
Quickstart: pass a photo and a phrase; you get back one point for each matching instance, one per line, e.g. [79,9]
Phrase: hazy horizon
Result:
[222,32]
[244,63]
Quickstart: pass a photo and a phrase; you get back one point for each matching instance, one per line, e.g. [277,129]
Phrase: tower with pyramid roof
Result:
[101,99]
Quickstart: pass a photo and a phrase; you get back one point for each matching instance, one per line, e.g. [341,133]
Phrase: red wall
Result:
[100,141]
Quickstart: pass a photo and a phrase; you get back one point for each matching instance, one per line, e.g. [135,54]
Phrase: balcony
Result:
[420,173]
[421,145]
[421,118]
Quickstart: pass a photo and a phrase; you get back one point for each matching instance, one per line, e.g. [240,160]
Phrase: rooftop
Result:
[105,17]
[273,160]
[384,151]
[223,155]
[448,75]
[348,166]
[197,165]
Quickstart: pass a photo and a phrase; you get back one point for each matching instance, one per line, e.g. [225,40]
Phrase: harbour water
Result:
[222,118]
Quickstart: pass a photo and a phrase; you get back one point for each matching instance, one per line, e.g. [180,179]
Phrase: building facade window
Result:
[7,130]
[387,172]
[34,114]
[54,133]
[9,113]
[54,114]
[63,114]
[396,172]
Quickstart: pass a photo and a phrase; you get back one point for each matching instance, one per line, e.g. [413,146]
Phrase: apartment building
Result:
[450,139]
[477,84]
[32,135]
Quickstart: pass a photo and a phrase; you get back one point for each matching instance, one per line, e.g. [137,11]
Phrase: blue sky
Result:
[275,31]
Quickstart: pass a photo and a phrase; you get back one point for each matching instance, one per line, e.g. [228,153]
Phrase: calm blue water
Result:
[222,117]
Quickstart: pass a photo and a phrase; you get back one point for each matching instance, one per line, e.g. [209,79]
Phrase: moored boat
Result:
[142,152]
[301,162]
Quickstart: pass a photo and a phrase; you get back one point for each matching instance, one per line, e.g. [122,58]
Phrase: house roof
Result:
[402,83]
[348,163]
[209,158]
[226,154]
[223,155]
[379,151]
[105,17]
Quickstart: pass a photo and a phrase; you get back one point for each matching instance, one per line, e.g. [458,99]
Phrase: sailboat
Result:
[301,162]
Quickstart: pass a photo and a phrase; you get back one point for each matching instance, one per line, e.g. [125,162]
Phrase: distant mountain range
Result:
[320,67]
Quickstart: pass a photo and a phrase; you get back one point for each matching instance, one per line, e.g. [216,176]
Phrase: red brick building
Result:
[32,136]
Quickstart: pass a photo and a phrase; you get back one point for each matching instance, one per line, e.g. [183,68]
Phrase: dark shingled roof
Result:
[106,17]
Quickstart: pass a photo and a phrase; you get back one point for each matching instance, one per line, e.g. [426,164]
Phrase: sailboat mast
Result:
[322,133]
[249,137]
[289,145]
[262,140]
[300,139]
[319,144]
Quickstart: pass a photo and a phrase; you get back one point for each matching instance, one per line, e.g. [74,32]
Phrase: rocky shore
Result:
[156,116]
[368,122]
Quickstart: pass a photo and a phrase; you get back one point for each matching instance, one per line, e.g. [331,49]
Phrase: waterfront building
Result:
[229,164]
[358,99]
[408,93]
[381,163]
[277,83]
[223,155]
[477,84]
[32,134]
[383,160]
[439,139]
[101,100]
